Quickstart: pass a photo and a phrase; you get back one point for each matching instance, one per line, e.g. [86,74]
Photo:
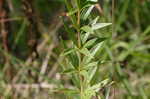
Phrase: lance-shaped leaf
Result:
[92,73]
[100,25]
[88,12]
[98,86]
[94,21]
[93,52]
[68,51]
[67,91]
[88,66]
[97,47]
[88,31]
[72,56]
[74,59]
[70,71]
[85,37]
[91,91]
[85,51]
[91,43]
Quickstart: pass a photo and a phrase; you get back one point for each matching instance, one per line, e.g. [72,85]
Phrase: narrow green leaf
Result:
[85,37]
[92,64]
[71,70]
[97,47]
[88,12]
[93,52]
[74,59]
[92,73]
[93,42]
[87,29]
[67,91]
[100,25]
[91,91]
[93,22]
[90,43]
[68,51]
[98,86]
[85,51]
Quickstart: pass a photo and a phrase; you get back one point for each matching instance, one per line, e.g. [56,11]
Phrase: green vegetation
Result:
[81,62]
[74,49]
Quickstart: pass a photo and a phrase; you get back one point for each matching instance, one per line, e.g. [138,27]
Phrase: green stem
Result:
[79,39]
[79,45]
[81,91]
[81,86]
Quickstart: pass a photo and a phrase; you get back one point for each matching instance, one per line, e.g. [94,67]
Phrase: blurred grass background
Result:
[30,62]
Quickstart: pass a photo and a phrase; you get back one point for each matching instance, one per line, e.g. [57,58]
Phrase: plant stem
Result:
[78,22]
[81,89]
[79,45]
[81,85]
